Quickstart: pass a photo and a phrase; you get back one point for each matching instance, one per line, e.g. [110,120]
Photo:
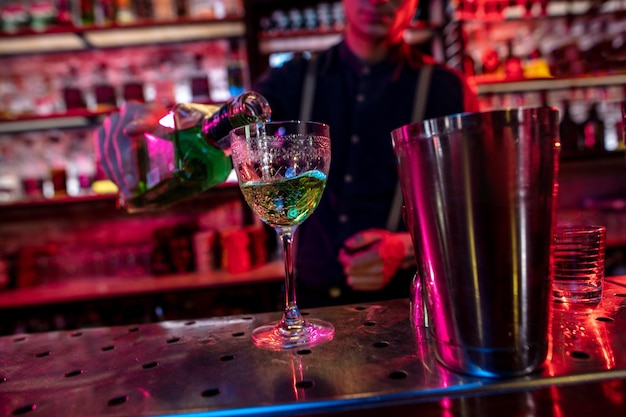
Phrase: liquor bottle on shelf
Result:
[199,81]
[143,9]
[163,83]
[73,96]
[42,15]
[570,132]
[181,8]
[536,66]
[58,165]
[490,63]
[124,12]
[174,164]
[105,12]
[64,12]
[47,100]
[33,169]
[83,13]
[132,86]
[164,10]
[104,91]
[13,17]
[593,129]
[513,69]
[236,81]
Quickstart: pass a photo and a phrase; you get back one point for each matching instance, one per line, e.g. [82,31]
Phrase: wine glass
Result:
[282,169]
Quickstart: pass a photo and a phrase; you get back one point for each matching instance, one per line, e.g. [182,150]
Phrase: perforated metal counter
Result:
[376,363]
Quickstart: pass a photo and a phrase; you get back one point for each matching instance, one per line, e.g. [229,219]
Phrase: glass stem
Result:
[292,319]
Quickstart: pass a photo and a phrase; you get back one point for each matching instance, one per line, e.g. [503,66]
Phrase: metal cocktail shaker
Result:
[479,192]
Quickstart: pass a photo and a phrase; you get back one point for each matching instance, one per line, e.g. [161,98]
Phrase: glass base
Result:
[313,332]
[576,292]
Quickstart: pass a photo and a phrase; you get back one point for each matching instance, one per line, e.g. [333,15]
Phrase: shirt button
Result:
[343,218]
[347,178]
[360,98]
[355,139]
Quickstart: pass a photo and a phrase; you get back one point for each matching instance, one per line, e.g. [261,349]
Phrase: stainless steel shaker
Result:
[479,191]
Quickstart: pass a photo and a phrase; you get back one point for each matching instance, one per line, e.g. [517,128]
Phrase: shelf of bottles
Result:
[142,50]
[298,28]
[567,54]
[51,102]
[313,27]
[37,89]
[50,105]
[538,45]
[70,25]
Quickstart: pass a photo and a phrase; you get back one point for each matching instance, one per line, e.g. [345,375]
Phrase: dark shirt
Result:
[362,104]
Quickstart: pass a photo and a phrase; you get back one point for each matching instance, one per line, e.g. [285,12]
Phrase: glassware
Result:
[282,169]
[579,253]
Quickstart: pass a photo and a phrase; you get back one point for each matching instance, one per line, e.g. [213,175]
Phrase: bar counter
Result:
[377,363]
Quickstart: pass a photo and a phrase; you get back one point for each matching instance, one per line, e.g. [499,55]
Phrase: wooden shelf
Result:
[99,288]
[305,41]
[554,83]
[78,39]
[30,124]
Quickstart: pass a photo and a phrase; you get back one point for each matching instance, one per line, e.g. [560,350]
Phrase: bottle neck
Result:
[216,128]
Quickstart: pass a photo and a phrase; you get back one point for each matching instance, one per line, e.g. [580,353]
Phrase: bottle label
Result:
[160,157]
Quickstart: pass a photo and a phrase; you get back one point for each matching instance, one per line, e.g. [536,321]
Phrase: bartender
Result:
[354,247]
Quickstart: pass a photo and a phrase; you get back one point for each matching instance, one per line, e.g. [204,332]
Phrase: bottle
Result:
[124,12]
[235,70]
[570,132]
[106,97]
[132,86]
[104,12]
[164,10]
[199,80]
[536,66]
[178,163]
[593,129]
[58,166]
[163,83]
[72,93]
[182,8]
[42,13]
[512,63]
[142,9]
[84,13]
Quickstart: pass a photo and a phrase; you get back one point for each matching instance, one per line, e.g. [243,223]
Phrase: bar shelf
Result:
[491,86]
[69,38]
[81,290]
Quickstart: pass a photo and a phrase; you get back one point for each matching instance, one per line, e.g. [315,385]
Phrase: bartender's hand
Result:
[114,141]
[372,257]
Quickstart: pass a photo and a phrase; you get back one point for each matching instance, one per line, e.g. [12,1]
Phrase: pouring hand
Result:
[114,141]
[371,258]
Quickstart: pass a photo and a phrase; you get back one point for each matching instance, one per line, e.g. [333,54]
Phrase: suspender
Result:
[308,89]
[419,106]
